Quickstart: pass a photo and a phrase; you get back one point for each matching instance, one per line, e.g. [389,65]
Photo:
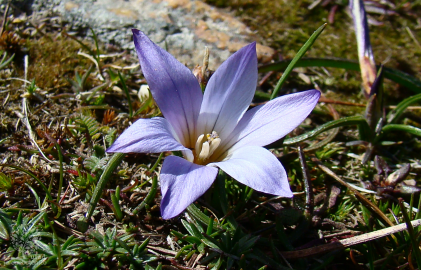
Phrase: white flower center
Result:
[206,145]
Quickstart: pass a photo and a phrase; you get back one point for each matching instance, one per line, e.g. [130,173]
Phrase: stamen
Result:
[206,145]
[214,144]
[188,155]
[204,153]
[199,142]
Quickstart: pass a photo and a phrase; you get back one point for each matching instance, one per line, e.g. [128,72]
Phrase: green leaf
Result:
[99,151]
[117,209]
[35,195]
[126,90]
[143,246]
[4,62]
[180,252]
[416,252]
[96,55]
[111,166]
[5,226]
[88,125]
[297,57]
[6,182]
[187,238]
[347,121]
[210,227]
[210,243]
[191,228]
[68,242]
[34,177]
[111,136]
[248,243]
[395,75]
[70,253]
[151,195]
[396,113]
[199,216]
[124,246]
[44,248]
[218,264]
[406,128]
[34,221]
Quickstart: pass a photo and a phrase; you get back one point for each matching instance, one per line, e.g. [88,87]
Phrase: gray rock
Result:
[184,27]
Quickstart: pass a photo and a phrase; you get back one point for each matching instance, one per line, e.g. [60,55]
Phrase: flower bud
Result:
[143,93]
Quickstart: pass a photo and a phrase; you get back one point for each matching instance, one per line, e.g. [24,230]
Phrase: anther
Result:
[206,145]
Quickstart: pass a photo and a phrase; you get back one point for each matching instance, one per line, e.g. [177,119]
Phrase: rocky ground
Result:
[184,27]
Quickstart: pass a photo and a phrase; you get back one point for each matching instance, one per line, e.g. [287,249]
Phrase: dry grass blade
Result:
[373,208]
[344,243]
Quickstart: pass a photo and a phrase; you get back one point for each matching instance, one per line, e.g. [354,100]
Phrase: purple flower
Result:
[213,130]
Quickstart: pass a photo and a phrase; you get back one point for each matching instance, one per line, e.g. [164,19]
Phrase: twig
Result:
[309,204]
[338,102]
[412,36]
[163,250]
[94,61]
[68,230]
[344,243]
[25,120]
[326,100]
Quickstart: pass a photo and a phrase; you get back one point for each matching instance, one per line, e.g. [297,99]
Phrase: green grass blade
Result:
[96,45]
[397,76]
[198,215]
[35,195]
[151,170]
[151,195]
[60,183]
[5,226]
[5,63]
[396,127]
[126,90]
[105,176]
[297,57]
[347,121]
[47,192]
[144,106]
[115,201]
[394,115]
[149,198]
[416,252]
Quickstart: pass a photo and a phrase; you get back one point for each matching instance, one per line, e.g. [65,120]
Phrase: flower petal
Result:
[173,86]
[267,123]
[257,168]
[182,182]
[153,135]
[229,92]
